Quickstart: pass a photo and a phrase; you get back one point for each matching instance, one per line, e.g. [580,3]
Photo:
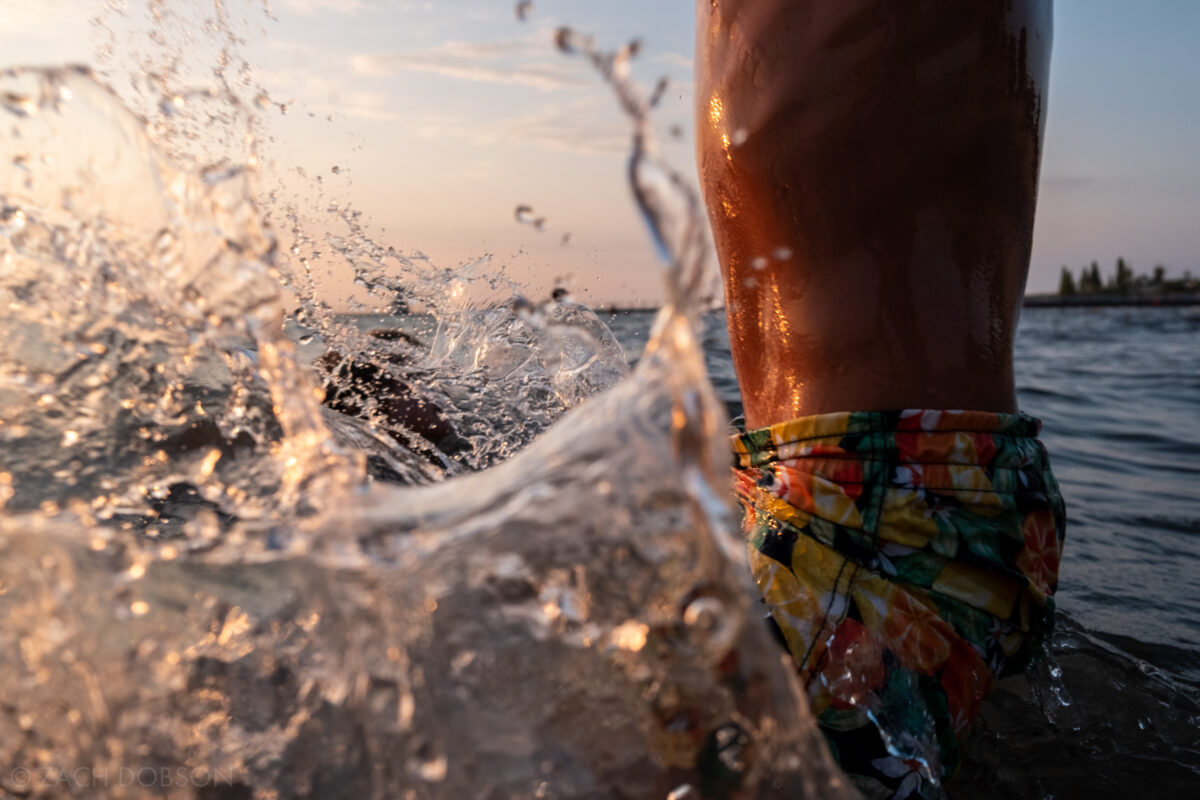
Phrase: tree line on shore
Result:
[1122,281]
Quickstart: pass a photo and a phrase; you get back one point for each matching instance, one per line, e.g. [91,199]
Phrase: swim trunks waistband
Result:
[908,559]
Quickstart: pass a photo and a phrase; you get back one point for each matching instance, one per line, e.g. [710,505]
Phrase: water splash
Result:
[670,207]
[181,68]
[198,579]
[130,313]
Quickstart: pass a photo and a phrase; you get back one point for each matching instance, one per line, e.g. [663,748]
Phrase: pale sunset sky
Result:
[447,114]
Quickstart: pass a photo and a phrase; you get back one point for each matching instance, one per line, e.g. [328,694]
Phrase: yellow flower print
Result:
[906,519]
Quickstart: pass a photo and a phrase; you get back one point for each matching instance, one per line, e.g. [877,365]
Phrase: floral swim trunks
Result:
[909,559]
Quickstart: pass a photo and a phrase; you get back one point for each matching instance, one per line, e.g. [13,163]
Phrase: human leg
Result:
[870,169]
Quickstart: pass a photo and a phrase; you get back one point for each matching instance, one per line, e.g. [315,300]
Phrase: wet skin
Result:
[870,169]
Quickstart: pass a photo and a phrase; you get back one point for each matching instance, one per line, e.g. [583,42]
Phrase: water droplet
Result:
[660,89]
[432,769]
[782,253]
[726,752]
[19,104]
[630,635]
[758,263]
[219,173]
[565,39]
[336,170]
[739,137]
[170,105]
[524,215]
[704,613]
[210,462]
[12,219]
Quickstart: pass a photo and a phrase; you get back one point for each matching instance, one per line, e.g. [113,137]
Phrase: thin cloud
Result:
[513,62]
[537,76]
[674,59]
[1067,183]
[25,16]
[372,106]
[325,93]
[574,128]
[571,128]
[309,8]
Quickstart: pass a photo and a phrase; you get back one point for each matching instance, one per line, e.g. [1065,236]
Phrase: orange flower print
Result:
[815,494]
[909,446]
[916,419]
[853,664]
[985,448]
[919,638]
[1038,561]
[967,680]
[912,630]
[847,473]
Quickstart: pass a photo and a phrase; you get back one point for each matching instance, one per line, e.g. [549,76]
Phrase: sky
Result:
[443,116]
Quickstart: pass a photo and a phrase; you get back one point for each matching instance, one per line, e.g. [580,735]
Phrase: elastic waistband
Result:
[920,436]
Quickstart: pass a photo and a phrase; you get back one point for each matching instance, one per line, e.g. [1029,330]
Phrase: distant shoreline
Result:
[1037,301]
[1101,300]
[1030,301]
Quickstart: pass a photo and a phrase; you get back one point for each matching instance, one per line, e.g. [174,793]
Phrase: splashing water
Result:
[201,584]
[129,316]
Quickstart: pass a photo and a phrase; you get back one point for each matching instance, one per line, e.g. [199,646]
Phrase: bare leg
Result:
[870,169]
